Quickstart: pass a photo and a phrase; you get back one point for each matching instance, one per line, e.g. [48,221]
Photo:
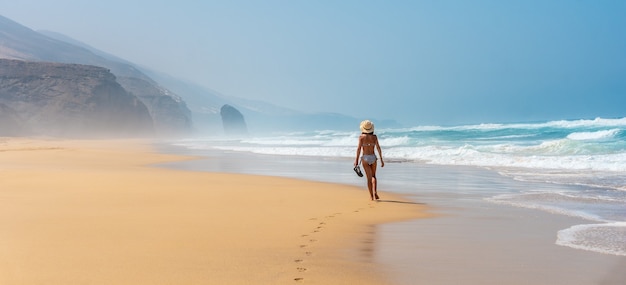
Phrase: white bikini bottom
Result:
[369,158]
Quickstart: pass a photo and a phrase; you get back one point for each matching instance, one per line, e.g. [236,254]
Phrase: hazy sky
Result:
[419,62]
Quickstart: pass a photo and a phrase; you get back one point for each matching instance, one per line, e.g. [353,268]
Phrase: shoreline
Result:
[485,243]
[469,241]
[102,212]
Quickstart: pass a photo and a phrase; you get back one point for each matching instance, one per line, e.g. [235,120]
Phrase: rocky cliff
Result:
[10,123]
[168,111]
[55,99]
[233,121]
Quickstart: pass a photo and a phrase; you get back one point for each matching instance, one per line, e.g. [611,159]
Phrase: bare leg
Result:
[375,187]
[374,181]
[369,175]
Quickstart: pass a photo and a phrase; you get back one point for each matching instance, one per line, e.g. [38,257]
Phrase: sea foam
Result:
[608,238]
[604,134]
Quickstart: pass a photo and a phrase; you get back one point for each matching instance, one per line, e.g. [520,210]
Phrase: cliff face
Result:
[10,124]
[170,114]
[57,99]
[233,121]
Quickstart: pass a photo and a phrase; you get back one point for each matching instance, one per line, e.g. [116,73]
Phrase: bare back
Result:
[368,143]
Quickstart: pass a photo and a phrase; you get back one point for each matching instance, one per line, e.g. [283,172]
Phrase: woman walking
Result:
[368,142]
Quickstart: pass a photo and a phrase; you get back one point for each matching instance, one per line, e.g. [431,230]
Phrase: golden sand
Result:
[96,212]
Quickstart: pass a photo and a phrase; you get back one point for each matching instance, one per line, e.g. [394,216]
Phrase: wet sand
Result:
[473,241]
[97,212]
[488,244]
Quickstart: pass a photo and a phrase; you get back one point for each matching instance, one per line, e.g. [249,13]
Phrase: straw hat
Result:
[367,127]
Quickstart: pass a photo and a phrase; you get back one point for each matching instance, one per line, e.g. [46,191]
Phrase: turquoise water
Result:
[587,158]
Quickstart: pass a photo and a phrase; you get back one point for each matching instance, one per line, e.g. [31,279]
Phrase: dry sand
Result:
[96,212]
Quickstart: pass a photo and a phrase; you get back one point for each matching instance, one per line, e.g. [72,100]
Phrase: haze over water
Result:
[416,62]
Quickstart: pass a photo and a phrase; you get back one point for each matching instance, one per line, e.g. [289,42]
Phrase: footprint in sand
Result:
[302,245]
[308,253]
[298,260]
[312,240]
[299,279]
[301,269]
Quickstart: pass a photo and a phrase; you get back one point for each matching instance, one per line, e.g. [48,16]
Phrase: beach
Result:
[139,212]
[99,212]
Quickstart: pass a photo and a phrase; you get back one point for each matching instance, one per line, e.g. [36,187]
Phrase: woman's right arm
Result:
[358,151]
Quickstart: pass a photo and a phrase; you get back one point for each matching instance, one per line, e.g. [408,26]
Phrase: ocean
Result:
[570,167]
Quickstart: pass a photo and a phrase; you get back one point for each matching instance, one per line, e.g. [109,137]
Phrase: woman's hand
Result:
[382,163]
